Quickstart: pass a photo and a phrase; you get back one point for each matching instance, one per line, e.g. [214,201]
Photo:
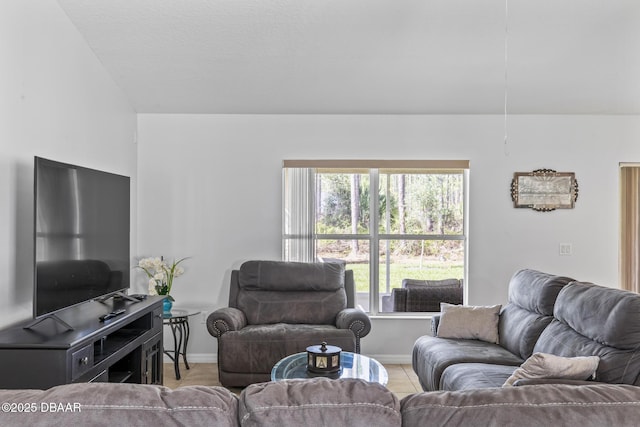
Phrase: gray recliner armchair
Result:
[279,308]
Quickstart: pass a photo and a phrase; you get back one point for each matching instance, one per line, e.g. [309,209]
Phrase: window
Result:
[387,220]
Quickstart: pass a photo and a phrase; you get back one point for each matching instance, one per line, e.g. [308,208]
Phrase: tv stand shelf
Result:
[126,348]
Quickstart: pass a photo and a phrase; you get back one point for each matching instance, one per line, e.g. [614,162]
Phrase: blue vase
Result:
[166,305]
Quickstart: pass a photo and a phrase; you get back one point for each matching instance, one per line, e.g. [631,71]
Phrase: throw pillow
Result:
[543,365]
[469,322]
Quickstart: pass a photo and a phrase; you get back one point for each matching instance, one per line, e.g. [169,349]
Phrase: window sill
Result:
[404,316]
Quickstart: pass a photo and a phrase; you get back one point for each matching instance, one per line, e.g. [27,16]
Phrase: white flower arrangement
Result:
[160,274]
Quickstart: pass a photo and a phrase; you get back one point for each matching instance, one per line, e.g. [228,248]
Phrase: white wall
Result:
[210,185]
[58,102]
[210,188]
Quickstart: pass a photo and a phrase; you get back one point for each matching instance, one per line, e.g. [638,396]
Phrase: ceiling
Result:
[368,56]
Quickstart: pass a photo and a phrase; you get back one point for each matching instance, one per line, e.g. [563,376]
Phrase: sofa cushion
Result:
[593,320]
[543,365]
[263,307]
[109,404]
[606,315]
[256,348]
[536,291]
[532,296]
[291,292]
[544,405]
[319,402]
[466,376]
[432,355]
[291,276]
[520,329]
[469,322]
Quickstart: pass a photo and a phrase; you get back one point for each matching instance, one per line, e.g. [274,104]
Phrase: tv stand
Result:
[126,348]
[48,316]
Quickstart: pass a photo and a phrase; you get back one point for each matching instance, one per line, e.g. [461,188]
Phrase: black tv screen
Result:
[81,235]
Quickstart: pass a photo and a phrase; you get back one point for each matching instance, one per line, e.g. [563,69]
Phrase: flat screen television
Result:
[81,235]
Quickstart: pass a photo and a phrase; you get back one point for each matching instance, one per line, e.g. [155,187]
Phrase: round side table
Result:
[178,320]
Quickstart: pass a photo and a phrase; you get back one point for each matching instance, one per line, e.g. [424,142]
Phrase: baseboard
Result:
[196,358]
[391,359]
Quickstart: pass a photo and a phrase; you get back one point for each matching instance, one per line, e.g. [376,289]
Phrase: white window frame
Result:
[298,219]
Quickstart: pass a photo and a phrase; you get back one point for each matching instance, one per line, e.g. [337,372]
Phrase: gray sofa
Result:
[279,308]
[544,314]
[319,402]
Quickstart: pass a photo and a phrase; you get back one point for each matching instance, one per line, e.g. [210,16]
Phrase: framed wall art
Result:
[544,190]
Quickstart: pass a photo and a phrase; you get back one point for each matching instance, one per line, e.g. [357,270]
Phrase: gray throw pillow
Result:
[469,322]
[543,365]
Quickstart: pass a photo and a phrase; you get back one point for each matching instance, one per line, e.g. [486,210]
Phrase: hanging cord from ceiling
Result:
[506,75]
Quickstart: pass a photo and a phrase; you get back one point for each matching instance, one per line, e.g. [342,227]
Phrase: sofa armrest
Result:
[357,321]
[435,321]
[224,320]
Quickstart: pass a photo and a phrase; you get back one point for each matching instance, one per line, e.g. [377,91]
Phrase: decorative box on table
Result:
[323,359]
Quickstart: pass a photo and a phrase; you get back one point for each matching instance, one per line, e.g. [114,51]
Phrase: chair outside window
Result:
[426,295]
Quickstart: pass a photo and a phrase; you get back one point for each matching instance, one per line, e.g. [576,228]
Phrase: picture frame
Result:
[544,190]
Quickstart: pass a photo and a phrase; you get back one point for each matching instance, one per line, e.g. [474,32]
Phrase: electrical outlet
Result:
[565,249]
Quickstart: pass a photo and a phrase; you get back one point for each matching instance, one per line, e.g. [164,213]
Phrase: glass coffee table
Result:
[352,365]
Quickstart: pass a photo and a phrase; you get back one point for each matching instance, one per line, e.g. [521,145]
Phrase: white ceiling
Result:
[368,56]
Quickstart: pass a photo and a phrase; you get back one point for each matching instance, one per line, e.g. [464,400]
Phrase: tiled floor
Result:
[402,380]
